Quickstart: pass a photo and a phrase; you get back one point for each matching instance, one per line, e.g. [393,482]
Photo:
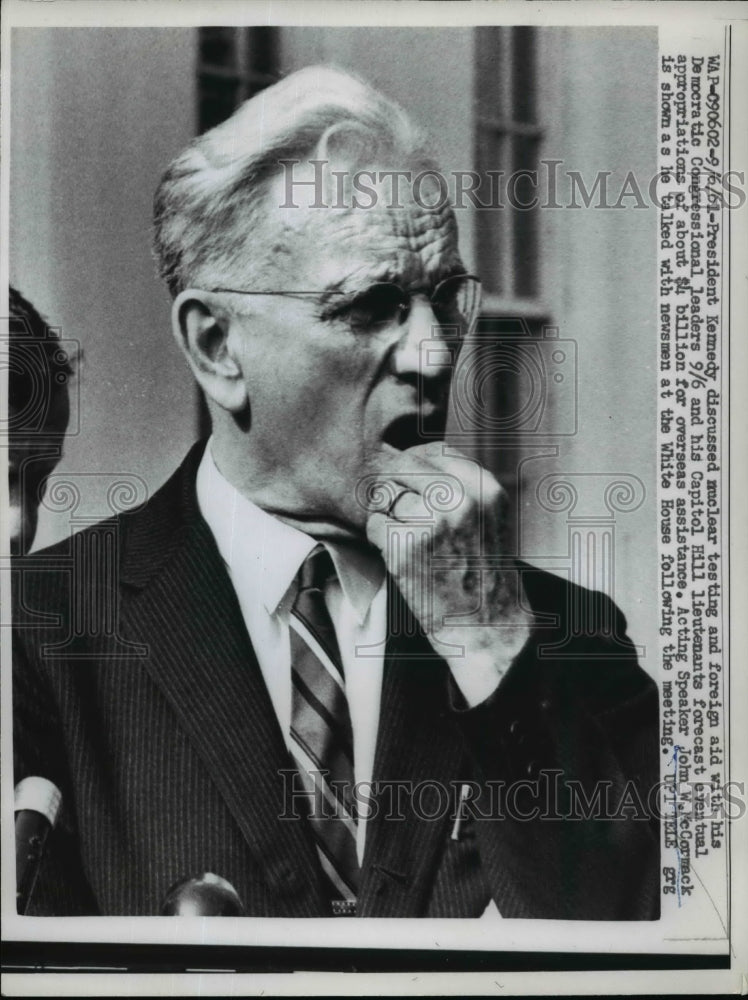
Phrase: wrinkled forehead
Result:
[364,230]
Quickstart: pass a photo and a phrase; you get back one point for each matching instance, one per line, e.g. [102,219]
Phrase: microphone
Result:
[205,895]
[37,805]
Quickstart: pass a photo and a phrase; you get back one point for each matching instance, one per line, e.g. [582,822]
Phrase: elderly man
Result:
[310,673]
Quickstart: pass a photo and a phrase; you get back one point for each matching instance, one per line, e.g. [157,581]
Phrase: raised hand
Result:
[439,525]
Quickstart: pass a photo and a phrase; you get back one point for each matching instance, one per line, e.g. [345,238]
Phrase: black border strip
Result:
[57,956]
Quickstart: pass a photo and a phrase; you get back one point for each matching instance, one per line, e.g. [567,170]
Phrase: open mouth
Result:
[413,429]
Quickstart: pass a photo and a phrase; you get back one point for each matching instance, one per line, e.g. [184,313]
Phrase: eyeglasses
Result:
[455,302]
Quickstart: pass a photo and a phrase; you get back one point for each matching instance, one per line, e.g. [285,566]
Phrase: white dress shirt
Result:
[263,556]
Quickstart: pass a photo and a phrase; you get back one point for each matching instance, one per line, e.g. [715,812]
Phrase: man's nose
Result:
[425,347]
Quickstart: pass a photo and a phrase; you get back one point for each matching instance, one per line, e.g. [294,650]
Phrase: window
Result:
[515,381]
[508,137]
[234,64]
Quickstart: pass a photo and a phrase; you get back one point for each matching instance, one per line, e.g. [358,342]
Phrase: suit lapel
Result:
[419,747]
[179,599]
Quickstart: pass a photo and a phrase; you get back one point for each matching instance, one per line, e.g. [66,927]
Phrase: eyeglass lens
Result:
[454,302]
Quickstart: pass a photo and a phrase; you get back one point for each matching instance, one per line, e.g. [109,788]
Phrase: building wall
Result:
[96,115]
[601,275]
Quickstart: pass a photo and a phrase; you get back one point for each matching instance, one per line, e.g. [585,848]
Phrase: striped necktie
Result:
[321,734]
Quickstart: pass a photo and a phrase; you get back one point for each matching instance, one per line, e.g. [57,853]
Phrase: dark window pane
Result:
[490,223]
[523,75]
[512,375]
[525,188]
[218,46]
[263,51]
[217,100]
[502,326]
[508,391]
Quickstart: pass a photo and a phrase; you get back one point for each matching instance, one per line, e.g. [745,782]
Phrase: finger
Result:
[408,506]
[420,456]
[453,477]
[429,458]
[400,546]
[376,531]
[399,492]
[394,500]
[434,452]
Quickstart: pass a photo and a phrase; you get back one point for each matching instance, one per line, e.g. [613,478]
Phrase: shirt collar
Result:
[266,553]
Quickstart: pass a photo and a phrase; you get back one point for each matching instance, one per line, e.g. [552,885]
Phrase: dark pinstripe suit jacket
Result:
[138,692]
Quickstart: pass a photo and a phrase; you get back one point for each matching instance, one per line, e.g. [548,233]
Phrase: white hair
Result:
[210,208]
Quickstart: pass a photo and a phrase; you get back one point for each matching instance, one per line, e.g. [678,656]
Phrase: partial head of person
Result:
[39,370]
[319,293]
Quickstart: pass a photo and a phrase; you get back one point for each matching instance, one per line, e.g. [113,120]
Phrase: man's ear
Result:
[202,332]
